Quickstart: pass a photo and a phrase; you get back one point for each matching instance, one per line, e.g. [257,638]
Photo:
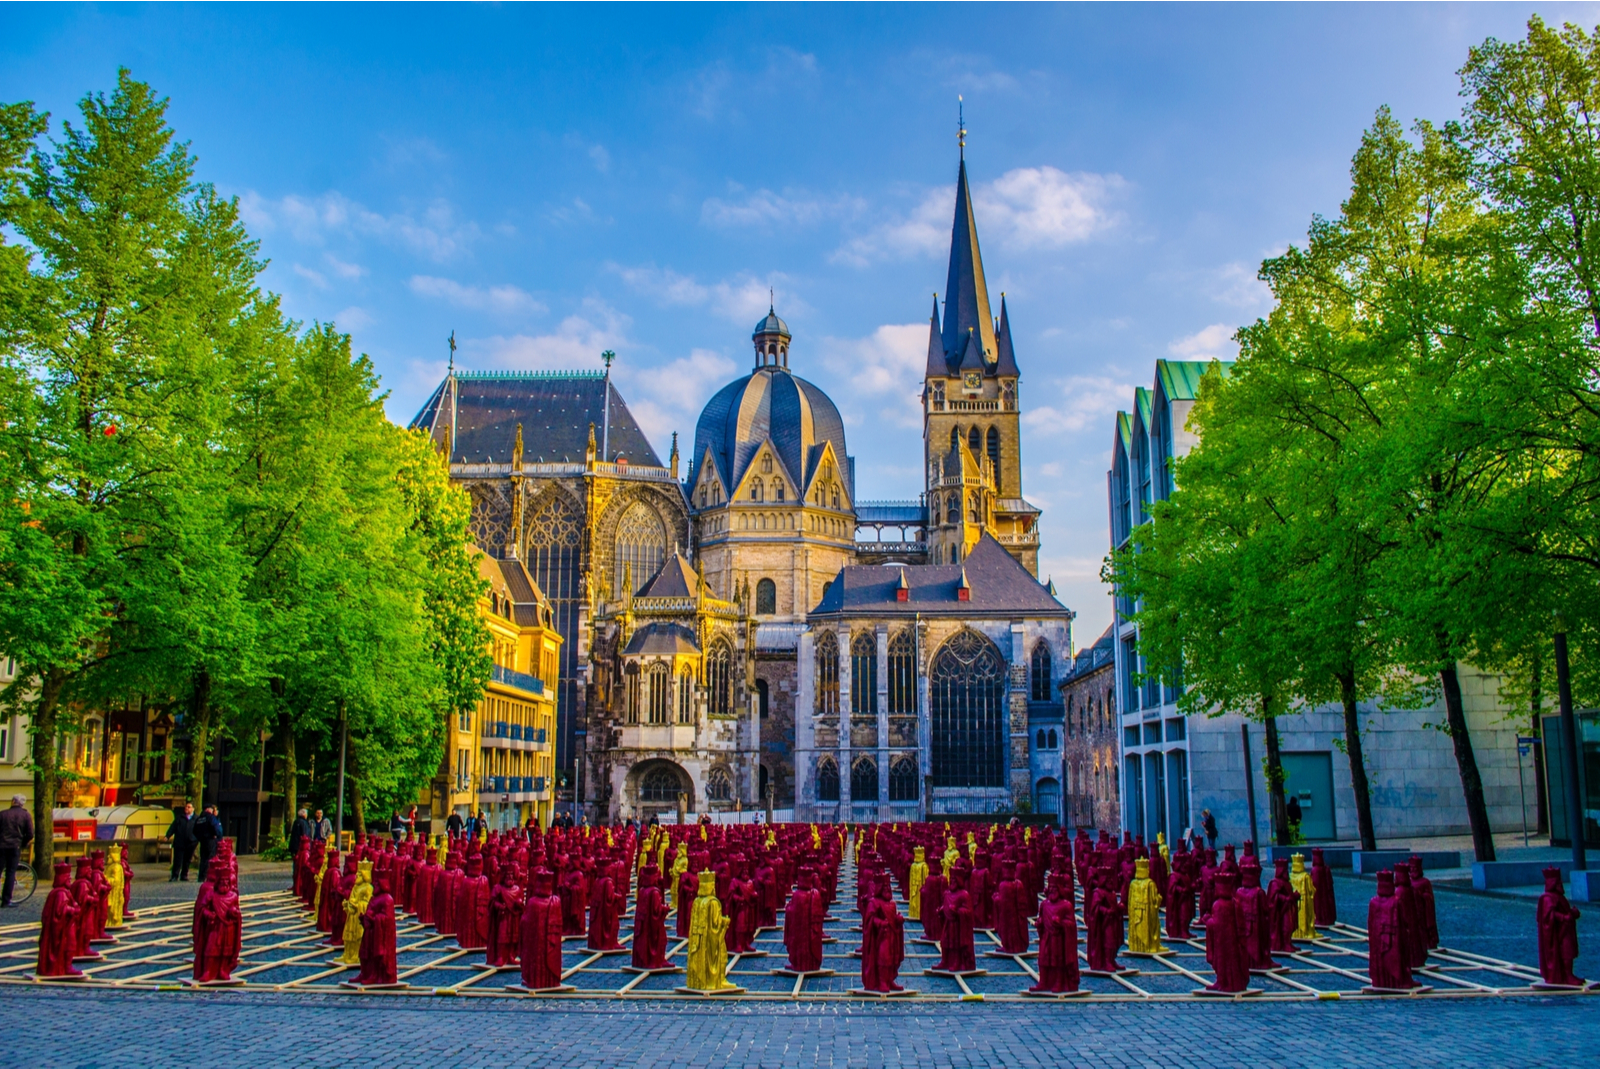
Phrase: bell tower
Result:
[971,412]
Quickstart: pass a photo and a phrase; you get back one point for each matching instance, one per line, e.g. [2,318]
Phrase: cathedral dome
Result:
[770,403]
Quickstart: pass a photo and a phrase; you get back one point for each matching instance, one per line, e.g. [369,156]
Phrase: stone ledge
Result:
[1367,862]
[1490,874]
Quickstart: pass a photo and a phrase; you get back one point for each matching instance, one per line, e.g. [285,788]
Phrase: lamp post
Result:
[1569,728]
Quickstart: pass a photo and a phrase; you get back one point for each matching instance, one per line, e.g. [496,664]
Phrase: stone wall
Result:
[1091,800]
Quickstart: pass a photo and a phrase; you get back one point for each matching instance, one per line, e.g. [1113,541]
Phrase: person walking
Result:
[16,832]
[399,824]
[453,825]
[321,828]
[208,833]
[1208,824]
[181,832]
[299,832]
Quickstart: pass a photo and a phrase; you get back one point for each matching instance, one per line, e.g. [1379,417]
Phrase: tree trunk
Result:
[1536,732]
[1358,765]
[42,725]
[291,785]
[1280,805]
[358,803]
[1467,762]
[199,738]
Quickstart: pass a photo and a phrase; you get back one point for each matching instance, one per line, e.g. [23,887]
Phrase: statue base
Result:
[663,970]
[1206,992]
[719,992]
[1008,954]
[1420,989]
[1163,952]
[1579,986]
[1080,993]
[559,989]
[797,973]
[354,986]
[68,978]
[951,974]
[904,992]
[1110,972]
[214,983]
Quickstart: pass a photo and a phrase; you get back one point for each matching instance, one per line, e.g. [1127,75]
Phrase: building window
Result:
[827,780]
[660,694]
[903,780]
[976,505]
[761,698]
[686,699]
[864,780]
[1055,740]
[777,490]
[1008,396]
[1038,740]
[755,490]
[969,717]
[719,678]
[91,747]
[719,785]
[864,674]
[994,457]
[1130,672]
[660,784]
[766,597]
[1041,672]
[641,548]
[631,692]
[975,442]
[828,674]
[902,672]
[955,437]
[952,509]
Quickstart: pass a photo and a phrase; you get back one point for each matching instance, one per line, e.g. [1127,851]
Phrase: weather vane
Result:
[452,352]
[961,125]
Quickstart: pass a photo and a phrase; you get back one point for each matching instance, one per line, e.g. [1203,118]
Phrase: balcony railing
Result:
[502,729]
[520,680]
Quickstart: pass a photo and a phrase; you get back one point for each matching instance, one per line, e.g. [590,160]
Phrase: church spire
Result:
[966,294]
[937,365]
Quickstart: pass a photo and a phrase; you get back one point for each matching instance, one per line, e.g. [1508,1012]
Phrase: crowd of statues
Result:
[518,896]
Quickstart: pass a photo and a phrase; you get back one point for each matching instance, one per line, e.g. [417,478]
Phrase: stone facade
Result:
[1090,745]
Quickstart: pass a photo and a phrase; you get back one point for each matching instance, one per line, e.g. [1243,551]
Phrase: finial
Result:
[607,357]
[772,301]
[961,125]
[452,352]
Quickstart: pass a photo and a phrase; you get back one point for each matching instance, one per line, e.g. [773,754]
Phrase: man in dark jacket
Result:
[299,832]
[181,832]
[16,832]
[208,833]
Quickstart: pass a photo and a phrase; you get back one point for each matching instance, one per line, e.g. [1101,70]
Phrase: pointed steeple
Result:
[966,294]
[1006,357]
[937,365]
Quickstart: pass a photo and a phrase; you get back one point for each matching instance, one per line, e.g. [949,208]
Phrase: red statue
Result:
[83,927]
[422,887]
[574,892]
[1255,918]
[1558,932]
[505,919]
[1427,918]
[1283,906]
[688,888]
[1103,914]
[58,929]
[1011,915]
[650,922]
[802,925]
[956,950]
[220,926]
[471,907]
[1324,909]
[1411,935]
[444,894]
[932,899]
[1224,947]
[541,935]
[1058,940]
[741,934]
[883,943]
[1180,897]
[1388,964]
[605,912]
[331,913]
[378,964]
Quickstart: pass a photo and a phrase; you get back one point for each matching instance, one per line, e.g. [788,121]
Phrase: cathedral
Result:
[732,639]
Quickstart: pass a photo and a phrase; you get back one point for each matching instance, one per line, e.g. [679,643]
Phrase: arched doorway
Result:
[653,788]
[968,699]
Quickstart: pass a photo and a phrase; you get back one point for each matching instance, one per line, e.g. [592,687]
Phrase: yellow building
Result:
[500,757]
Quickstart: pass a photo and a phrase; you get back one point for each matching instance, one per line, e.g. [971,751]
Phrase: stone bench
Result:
[1487,875]
[1335,857]
[1367,862]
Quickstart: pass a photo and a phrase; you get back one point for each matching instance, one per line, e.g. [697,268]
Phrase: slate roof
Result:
[676,579]
[663,638]
[770,403]
[554,408]
[999,584]
[510,577]
[1094,657]
[970,339]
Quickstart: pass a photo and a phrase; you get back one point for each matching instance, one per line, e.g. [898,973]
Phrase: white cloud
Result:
[1025,208]
[885,366]
[504,299]
[669,396]
[741,299]
[1085,402]
[352,319]
[764,208]
[313,277]
[435,232]
[1236,285]
[342,269]
[575,344]
[1213,343]
[600,158]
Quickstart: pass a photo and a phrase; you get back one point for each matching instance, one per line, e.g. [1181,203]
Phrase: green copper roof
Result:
[1180,379]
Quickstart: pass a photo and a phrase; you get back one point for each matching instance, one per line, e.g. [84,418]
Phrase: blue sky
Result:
[549,182]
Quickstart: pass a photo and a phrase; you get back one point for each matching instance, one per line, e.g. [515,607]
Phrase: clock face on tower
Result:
[973,381]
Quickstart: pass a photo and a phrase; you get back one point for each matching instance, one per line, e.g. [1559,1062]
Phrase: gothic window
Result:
[975,442]
[902,672]
[660,784]
[827,780]
[1041,672]
[1055,740]
[631,692]
[719,785]
[953,509]
[641,548]
[660,693]
[827,673]
[766,464]
[903,780]
[490,522]
[836,496]
[719,678]
[864,780]
[755,490]
[762,698]
[1008,396]
[955,437]
[938,396]
[777,489]
[994,455]
[766,597]
[1038,740]
[686,699]
[967,682]
[702,497]
[864,675]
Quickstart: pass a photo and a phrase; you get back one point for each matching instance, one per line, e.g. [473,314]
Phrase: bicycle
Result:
[26,882]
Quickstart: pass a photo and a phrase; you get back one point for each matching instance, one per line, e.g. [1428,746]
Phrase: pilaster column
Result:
[883,721]
[844,721]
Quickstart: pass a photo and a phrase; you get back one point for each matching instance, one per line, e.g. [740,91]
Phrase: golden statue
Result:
[680,865]
[1161,844]
[919,876]
[316,900]
[116,897]
[354,907]
[1144,912]
[1306,925]
[708,948]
